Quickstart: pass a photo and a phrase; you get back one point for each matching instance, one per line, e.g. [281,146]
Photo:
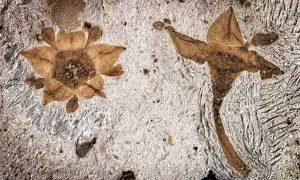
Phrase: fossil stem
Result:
[229,151]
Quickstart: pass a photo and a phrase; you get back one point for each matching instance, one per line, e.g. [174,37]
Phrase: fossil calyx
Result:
[72,66]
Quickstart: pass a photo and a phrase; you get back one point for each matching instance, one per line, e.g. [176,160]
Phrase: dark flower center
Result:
[73,68]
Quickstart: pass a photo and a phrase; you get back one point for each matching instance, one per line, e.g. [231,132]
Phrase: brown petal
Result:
[225,30]
[85,91]
[72,105]
[94,35]
[48,35]
[115,71]
[41,59]
[262,39]
[266,68]
[70,41]
[188,47]
[104,56]
[101,93]
[96,82]
[56,91]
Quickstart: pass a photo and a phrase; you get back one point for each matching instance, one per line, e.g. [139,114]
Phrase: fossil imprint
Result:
[72,66]
[227,56]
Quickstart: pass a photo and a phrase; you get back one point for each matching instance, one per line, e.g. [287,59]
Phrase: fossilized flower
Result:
[67,14]
[72,66]
[227,56]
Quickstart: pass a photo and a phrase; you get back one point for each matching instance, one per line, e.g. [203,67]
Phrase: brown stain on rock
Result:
[227,56]
[170,139]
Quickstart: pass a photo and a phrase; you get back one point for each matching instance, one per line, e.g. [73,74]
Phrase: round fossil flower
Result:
[72,66]
[67,14]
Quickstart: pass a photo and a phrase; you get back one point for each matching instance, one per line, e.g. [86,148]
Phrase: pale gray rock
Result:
[141,111]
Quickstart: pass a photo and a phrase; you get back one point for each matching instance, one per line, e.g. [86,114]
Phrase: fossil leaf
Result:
[82,149]
[72,105]
[225,30]
[263,39]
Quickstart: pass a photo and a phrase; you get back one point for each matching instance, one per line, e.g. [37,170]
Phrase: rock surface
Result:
[157,118]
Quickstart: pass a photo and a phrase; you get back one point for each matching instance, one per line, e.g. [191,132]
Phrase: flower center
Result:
[73,68]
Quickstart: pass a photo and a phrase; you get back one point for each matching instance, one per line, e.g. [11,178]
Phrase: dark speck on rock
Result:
[242,2]
[289,122]
[211,176]
[87,25]
[146,71]
[10,52]
[127,175]
[167,21]
[248,4]
[195,148]
[26,2]
[84,148]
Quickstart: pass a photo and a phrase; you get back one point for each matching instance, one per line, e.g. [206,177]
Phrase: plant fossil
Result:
[227,56]
[67,14]
[72,66]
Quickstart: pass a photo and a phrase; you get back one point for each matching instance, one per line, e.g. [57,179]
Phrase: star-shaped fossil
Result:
[227,56]
[72,66]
